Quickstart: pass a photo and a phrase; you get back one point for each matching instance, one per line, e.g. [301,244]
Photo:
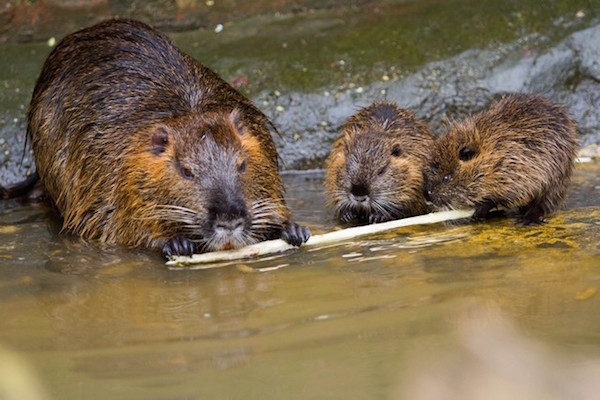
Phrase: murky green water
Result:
[376,318]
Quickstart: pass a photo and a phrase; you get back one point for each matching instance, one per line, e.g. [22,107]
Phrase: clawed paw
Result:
[295,234]
[375,218]
[348,216]
[529,220]
[353,216]
[178,246]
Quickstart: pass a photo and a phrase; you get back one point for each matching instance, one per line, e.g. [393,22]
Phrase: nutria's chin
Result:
[374,171]
[518,153]
[140,145]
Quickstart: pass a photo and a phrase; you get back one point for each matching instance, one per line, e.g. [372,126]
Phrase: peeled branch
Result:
[278,246]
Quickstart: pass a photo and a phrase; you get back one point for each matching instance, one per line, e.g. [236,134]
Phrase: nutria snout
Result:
[138,144]
[374,170]
[518,153]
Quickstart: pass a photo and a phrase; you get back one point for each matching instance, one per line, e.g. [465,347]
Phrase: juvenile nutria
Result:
[140,145]
[518,153]
[375,170]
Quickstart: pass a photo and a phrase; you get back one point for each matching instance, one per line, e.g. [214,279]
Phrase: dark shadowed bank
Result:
[309,65]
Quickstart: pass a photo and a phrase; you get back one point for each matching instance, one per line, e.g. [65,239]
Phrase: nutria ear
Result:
[160,140]
[236,122]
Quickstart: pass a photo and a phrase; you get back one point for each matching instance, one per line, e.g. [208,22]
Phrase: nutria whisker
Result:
[265,209]
[192,228]
[169,213]
[174,208]
[389,202]
[272,210]
[259,202]
[264,225]
[267,220]
[383,210]
[270,218]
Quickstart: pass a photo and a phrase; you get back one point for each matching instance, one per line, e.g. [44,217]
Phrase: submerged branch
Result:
[277,246]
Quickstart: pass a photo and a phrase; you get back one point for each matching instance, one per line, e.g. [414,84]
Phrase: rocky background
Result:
[310,64]
[568,73]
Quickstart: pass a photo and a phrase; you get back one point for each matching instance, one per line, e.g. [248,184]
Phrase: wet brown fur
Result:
[380,152]
[518,153]
[139,144]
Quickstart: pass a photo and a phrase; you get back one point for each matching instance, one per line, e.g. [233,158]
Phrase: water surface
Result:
[367,319]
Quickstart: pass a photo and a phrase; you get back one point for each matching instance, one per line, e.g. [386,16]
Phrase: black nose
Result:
[228,210]
[359,190]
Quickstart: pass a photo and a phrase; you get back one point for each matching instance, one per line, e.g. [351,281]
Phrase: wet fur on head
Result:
[518,153]
[374,170]
[210,172]
[180,177]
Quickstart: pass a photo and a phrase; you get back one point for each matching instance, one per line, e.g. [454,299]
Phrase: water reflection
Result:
[496,361]
[18,380]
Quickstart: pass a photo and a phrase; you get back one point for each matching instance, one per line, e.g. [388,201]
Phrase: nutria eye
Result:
[242,166]
[160,140]
[396,151]
[465,154]
[186,172]
[446,179]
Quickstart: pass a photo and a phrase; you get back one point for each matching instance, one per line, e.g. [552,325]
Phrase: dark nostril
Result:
[427,194]
[360,199]
[359,191]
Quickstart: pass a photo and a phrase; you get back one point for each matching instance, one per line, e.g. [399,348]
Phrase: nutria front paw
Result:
[482,211]
[354,216]
[375,218]
[532,216]
[178,246]
[348,216]
[295,234]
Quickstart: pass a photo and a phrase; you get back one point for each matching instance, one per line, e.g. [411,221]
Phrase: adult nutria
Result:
[138,144]
[518,153]
[374,171]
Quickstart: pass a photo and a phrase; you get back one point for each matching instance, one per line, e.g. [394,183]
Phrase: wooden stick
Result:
[277,246]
